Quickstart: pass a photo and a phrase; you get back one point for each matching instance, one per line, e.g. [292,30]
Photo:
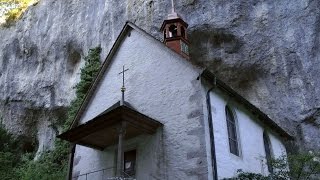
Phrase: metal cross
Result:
[123,89]
[122,72]
[172,6]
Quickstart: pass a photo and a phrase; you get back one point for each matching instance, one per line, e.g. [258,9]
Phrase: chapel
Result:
[151,114]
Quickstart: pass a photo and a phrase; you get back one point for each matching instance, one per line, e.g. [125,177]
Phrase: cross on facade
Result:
[121,132]
[172,6]
[123,89]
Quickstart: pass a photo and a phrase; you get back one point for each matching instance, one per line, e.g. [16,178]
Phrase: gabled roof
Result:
[100,132]
[124,32]
[220,84]
[265,119]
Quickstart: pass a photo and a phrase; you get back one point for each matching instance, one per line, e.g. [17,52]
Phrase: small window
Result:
[173,31]
[232,131]
[267,148]
[129,163]
[184,47]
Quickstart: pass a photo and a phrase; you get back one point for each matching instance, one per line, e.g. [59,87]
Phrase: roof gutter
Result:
[261,116]
[70,164]
[212,144]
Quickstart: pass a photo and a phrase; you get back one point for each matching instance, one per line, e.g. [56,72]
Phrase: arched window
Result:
[232,131]
[173,31]
[267,148]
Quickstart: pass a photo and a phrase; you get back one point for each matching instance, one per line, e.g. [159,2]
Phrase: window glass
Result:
[184,48]
[232,131]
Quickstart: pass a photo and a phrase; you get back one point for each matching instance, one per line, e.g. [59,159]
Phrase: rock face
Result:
[266,50]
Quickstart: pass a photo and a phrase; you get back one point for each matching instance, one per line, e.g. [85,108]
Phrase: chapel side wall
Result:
[250,136]
[164,86]
[278,147]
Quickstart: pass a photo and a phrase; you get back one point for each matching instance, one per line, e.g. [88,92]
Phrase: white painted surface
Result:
[250,136]
[162,85]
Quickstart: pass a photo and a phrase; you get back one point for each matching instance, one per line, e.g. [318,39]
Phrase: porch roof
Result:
[102,131]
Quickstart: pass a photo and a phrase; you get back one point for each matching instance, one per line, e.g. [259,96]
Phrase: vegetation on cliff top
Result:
[11,10]
[16,164]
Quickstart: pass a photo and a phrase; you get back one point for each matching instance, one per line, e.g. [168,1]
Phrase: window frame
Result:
[133,172]
[270,155]
[232,125]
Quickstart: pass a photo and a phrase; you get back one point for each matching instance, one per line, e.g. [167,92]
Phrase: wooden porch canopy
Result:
[102,131]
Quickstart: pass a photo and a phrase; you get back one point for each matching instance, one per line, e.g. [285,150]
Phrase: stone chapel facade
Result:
[175,121]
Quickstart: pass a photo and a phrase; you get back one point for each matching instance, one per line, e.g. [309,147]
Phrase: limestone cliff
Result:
[266,50]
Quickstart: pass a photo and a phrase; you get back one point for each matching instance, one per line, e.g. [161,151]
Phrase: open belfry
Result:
[175,36]
[159,90]
[162,117]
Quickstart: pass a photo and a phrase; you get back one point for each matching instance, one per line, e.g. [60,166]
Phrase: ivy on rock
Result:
[51,165]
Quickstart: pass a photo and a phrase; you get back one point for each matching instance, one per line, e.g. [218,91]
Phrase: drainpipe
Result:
[213,152]
[70,165]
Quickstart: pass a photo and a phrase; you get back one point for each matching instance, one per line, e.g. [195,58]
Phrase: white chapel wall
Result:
[250,136]
[278,148]
[164,86]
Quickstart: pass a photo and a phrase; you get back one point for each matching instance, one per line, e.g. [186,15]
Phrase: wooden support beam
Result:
[121,134]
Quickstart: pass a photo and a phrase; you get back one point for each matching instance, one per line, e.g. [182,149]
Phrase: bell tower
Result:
[174,31]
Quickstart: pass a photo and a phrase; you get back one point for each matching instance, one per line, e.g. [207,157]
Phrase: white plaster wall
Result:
[162,85]
[278,148]
[250,136]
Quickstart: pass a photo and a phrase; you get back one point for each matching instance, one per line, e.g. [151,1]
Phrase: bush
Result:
[304,165]
[9,154]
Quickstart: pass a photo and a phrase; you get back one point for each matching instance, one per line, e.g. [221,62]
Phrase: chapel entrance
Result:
[130,163]
[118,123]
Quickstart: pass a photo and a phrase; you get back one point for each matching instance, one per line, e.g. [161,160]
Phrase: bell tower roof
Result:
[174,31]
[173,16]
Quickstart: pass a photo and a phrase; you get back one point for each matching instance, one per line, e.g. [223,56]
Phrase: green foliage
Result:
[88,73]
[7,154]
[247,176]
[7,165]
[46,167]
[11,10]
[51,165]
[305,165]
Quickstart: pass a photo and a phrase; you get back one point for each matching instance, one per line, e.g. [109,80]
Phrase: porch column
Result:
[121,134]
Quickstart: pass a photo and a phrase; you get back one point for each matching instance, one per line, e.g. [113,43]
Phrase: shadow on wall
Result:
[74,58]
[220,52]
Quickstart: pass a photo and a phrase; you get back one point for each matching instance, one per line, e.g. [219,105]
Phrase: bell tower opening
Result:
[174,33]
